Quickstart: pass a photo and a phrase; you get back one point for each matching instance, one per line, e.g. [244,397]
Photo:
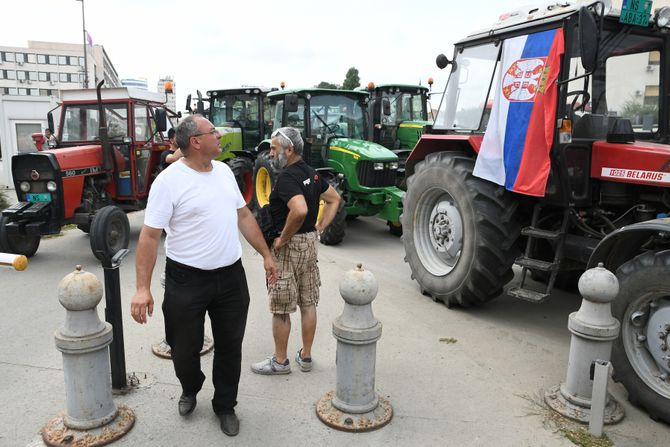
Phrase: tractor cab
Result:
[398,114]
[242,117]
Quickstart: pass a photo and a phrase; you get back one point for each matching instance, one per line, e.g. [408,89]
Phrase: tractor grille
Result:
[367,176]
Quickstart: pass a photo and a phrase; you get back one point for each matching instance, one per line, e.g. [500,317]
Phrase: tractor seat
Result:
[590,126]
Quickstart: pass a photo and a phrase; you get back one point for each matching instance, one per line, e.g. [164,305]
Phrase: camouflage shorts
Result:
[298,277]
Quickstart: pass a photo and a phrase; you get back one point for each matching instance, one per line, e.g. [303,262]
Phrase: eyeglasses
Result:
[279,132]
[213,131]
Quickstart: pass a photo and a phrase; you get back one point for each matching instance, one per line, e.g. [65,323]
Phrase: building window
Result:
[34,92]
[63,77]
[53,60]
[9,57]
[41,59]
[32,75]
[24,141]
[20,57]
[12,91]
[23,92]
[81,61]
[10,74]
[62,60]
[45,92]
[54,77]
[21,75]
[2,74]
[74,77]
[43,76]
[32,58]
[74,60]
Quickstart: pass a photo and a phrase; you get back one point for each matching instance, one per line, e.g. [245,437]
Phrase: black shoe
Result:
[230,425]
[187,404]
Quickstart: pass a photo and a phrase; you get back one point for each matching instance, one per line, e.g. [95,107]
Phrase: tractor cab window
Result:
[241,111]
[336,116]
[466,99]
[143,128]
[405,106]
[82,122]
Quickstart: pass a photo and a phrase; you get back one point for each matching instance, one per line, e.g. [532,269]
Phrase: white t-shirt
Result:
[198,211]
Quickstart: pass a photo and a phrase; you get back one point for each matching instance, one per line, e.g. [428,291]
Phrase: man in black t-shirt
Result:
[173,154]
[294,205]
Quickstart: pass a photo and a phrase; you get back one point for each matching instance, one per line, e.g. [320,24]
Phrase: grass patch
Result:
[575,432]
[62,229]
[448,340]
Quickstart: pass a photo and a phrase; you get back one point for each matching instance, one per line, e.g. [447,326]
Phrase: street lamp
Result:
[83,26]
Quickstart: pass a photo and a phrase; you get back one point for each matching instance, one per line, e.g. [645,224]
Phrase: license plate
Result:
[38,197]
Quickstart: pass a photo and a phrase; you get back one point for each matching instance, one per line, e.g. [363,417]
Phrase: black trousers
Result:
[223,293]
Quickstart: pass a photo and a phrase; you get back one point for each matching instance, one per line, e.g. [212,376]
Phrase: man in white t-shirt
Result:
[197,202]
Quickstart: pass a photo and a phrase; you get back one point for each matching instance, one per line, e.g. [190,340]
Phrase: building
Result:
[136,83]
[170,99]
[30,81]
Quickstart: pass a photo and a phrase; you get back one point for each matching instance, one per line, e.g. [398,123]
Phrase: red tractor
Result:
[551,151]
[108,153]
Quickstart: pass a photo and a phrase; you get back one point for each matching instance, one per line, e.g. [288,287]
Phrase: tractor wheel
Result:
[86,228]
[110,232]
[639,354]
[264,180]
[20,244]
[334,233]
[243,169]
[460,231]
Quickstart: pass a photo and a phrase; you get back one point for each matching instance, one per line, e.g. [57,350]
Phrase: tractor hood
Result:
[79,157]
[361,150]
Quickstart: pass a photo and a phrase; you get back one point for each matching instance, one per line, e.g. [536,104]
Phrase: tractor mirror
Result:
[386,107]
[291,103]
[50,120]
[188,103]
[588,45]
[161,119]
[200,107]
[442,61]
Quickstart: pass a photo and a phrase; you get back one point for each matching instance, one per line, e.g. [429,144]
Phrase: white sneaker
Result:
[270,366]
[304,363]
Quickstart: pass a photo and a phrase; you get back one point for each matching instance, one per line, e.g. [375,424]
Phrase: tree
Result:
[324,84]
[351,80]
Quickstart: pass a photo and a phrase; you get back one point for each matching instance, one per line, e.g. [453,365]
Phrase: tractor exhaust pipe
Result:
[102,132]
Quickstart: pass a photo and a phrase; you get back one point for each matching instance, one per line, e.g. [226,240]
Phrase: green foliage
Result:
[635,108]
[351,80]
[4,202]
[324,84]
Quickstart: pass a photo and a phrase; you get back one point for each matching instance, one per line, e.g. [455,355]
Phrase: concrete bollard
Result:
[594,329]
[354,405]
[91,417]
[16,262]
[163,350]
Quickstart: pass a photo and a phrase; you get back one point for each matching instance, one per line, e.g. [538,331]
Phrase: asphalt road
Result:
[454,377]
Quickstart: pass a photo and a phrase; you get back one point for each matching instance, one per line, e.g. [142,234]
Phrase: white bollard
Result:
[16,262]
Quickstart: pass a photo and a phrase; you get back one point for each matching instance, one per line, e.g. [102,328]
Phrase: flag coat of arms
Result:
[515,149]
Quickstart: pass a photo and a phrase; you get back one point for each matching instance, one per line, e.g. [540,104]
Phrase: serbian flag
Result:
[516,145]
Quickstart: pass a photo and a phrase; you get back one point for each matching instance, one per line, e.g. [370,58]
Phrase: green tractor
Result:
[239,114]
[399,114]
[334,126]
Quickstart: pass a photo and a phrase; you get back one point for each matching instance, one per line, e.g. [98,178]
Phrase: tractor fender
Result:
[262,146]
[625,243]
[427,144]
[246,154]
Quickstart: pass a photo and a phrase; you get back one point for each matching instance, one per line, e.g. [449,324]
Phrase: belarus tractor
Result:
[109,148]
[240,115]
[551,151]
[398,117]
[334,126]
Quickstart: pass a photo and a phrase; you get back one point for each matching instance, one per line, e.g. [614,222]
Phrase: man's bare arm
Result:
[331,204]
[145,260]
[297,211]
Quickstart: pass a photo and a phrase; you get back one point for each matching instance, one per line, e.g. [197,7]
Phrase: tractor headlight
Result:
[662,17]
[51,186]
[393,165]
[378,166]
[25,186]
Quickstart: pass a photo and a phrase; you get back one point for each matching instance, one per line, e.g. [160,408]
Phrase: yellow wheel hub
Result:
[263,187]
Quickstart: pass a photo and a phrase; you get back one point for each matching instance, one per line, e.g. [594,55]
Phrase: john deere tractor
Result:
[334,126]
[398,116]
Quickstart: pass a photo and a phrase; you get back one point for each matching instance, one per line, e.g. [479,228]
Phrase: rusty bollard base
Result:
[56,434]
[163,350]
[351,422]
[554,398]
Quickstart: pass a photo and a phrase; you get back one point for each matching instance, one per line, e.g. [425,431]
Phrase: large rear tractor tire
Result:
[243,169]
[110,232]
[639,355]
[334,233]
[264,180]
[459,231]
[20,244]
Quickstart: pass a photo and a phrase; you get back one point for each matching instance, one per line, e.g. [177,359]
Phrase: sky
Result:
[210,44]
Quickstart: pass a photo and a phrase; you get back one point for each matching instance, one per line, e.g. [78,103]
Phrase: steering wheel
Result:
[576,93]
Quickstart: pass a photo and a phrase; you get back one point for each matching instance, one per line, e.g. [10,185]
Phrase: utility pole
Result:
[83,25]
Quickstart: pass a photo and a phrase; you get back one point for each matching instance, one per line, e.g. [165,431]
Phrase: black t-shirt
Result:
[295,179]
[164,154]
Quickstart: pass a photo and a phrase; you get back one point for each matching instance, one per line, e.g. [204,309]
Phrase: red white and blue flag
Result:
[516,145]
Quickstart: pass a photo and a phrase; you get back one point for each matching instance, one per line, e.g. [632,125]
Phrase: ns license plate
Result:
[38,197]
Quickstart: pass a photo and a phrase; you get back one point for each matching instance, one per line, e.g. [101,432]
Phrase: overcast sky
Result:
[207,44]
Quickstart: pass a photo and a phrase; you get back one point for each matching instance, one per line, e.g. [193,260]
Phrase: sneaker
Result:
[304,363]
[270,366]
